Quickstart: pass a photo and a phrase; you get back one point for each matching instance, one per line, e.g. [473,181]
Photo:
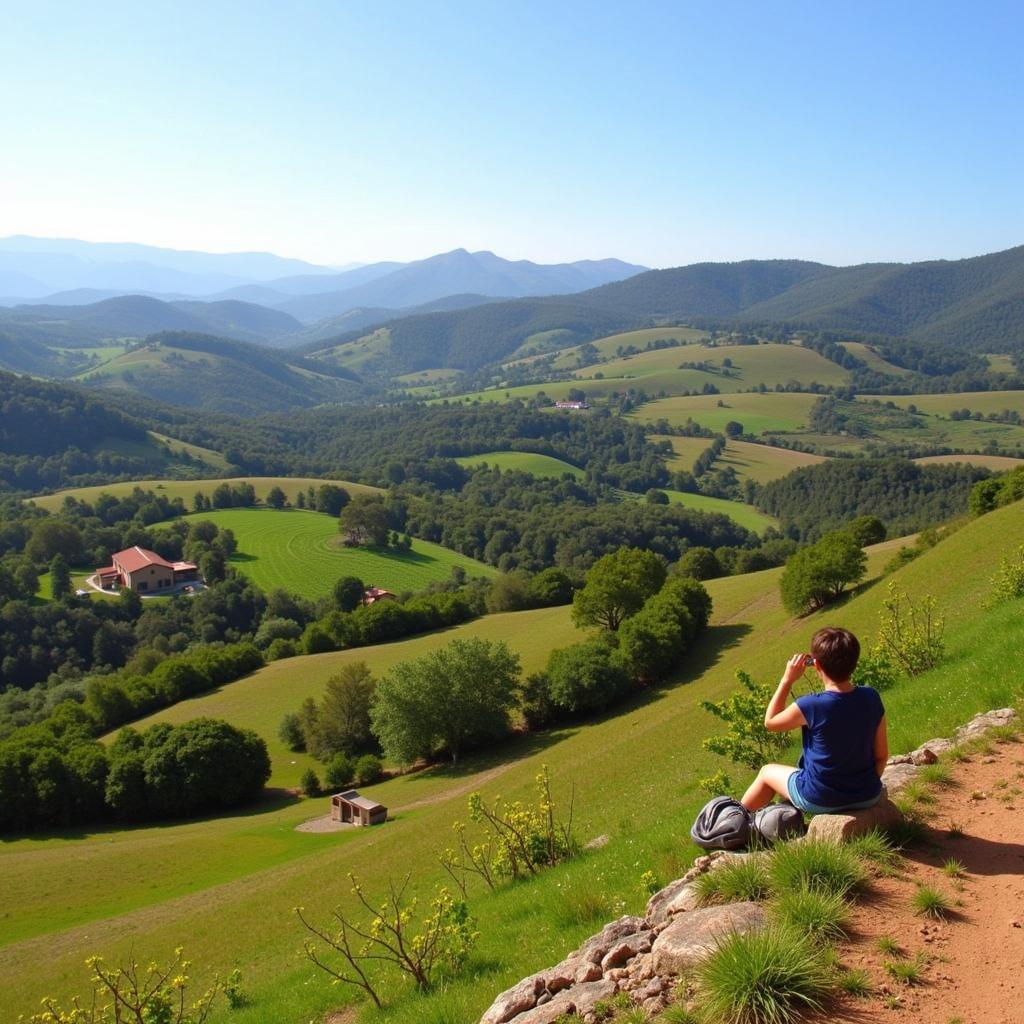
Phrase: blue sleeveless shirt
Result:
[837,767]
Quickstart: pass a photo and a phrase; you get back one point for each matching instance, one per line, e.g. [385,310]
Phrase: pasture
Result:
[224,887]
[301,552]
[757,412]
[185,489]
[984,402]
[609,347]
[738,511]
[997,463]
[761,463]
[874,361]
[525,462]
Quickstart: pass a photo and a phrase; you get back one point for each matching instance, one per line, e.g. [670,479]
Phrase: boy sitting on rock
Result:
[845,746]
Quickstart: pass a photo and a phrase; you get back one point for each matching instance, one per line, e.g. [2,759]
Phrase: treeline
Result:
[54,773]
[997,491]
[907,497]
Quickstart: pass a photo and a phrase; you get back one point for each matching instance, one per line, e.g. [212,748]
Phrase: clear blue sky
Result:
[663,133]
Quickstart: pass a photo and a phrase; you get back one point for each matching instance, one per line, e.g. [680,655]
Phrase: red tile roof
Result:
[136,558]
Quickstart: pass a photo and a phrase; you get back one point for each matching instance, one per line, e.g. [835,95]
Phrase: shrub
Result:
[910,633]
[747,741]
[1008,582]
[818,914]
[290,732]
[310,783]
[814,864]
[585,678]
[368,769]
[929,902]
[280,649]
[771,977]
[340,772]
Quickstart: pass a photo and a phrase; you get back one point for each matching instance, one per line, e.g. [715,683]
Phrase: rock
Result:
[897,777]
[657,906]
[585,997]
[597,946]
[626,950]
[838,828]
[690,937]
[588,972]
[980,724]
[924,755]
[515,1001]
[598,842]
[938,746]
[547,1013]
[688,899]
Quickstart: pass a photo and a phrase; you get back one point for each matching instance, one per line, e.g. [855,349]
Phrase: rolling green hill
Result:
[301,552]
[150,889]
[527,462]
[758,413]
[758,462]
[218,375]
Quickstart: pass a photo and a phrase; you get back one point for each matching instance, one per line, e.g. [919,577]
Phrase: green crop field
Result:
[942,405]
[526,462]
[301,552]
[756,412]
[185,489]
[225,887]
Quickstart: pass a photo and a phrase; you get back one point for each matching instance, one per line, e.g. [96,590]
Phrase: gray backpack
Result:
[723,824]
[778,822]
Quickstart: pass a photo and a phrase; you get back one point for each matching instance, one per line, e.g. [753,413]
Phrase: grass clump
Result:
[825,867]
[907,972]
[938,774]
[771,977]
[930,902]
[747,878]
[856,982]
[888,945]
[676,1015]
[815,913]
[953,868]
[877,849]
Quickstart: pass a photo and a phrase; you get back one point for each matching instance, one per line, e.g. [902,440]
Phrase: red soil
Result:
[974,972]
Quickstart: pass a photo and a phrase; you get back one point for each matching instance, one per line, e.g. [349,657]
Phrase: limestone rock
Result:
[515,1001]
[690,937]
[838,828]
[897,777]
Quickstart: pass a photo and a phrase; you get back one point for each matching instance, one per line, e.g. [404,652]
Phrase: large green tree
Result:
[818,574]
[343,722]
[451,699]
[616,587]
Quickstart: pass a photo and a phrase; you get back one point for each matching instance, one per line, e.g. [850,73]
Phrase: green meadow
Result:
[997,463]
[608,347]
[525,462]
[942,405]
[873,360]
[185,489]
[761,463]
[758,413]
[738,511]
[225,887]
[301,551]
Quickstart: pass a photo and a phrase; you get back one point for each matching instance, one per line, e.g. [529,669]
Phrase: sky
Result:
[659,133]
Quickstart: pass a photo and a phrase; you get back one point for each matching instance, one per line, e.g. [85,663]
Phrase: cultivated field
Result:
[225,887]
[526,462]
[185,489]
[758,462]
[757,412]
[301,551]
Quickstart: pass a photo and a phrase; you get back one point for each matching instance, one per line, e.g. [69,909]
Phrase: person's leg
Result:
[772,779]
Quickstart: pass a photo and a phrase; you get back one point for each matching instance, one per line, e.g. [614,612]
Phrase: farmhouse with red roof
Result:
[145,572]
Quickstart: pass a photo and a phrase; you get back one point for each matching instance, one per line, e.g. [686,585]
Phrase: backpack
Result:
[723,824]
[778,822]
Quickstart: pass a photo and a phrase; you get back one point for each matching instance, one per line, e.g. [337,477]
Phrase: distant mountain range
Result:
[72,272]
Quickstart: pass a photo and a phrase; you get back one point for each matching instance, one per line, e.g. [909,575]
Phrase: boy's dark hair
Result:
[836,651]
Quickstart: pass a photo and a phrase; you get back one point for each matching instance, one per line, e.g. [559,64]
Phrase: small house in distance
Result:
[571,405]
[350,808]
[374,594]
[145,572]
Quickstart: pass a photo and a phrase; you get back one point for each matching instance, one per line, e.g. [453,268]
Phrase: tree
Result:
[343,723]
[867,530]
[276,498]
[819,573]
[310,783]
[331,498]
[733,429]
[290,732]
[455,697]
[348,593]
[365,521]
[699,564]
[616,587]
[54,537]
[551,586]
[585,678]
[60,578]
[656,497]
[510,592]
[341,772]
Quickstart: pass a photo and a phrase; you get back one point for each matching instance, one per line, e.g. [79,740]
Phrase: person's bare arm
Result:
[881,747]
[778,717]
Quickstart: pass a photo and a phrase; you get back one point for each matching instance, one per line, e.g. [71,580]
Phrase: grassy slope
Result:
[634,775]
[185,489]
[527,462]
[874,361]
[301,552]
[977,401]
[757,412]
[608,346]
[758,462]
[999,463]
[745,515]
[214,460]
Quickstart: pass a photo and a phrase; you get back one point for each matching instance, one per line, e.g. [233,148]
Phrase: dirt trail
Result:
[974,961]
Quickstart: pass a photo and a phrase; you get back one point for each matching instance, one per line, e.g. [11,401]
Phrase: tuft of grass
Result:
[580,904]
[856,982]
[677,1015]
[938,774]
[744,879]
[877,849]
[911,831]
[955,830]
[772,977]
[826,867]
[634,1015]
[959,755]
[953,868]
[907,972]
[820,915]
[930,902]
[888,945]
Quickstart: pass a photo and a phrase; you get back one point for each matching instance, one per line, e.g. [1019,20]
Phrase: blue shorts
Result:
[808,808]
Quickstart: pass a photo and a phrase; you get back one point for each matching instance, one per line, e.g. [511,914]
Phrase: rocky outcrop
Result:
[642,956]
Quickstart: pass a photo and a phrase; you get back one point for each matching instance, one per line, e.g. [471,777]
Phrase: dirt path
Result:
[973,969]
